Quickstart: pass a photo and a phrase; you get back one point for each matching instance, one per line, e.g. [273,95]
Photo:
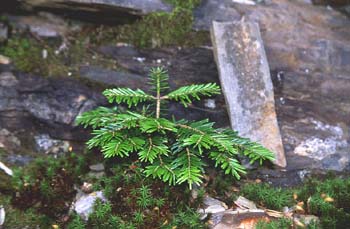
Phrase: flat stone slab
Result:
[246,83]
[135,7]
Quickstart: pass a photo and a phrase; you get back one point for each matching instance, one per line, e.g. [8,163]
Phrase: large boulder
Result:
[308,49]
[32,107]
[133,7]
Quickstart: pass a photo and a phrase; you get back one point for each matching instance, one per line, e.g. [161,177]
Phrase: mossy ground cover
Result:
[329,199]
[32,54]
[40,195]
[42,56]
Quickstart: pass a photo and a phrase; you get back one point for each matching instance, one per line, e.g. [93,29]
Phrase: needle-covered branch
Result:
[173,151]
[187,94]
[127,95]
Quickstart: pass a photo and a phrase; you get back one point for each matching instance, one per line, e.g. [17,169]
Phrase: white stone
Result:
[247,2]
[6,169]
[211,206]
[210,103]
[97,167]
[84,206]
[4,60]
[2,215]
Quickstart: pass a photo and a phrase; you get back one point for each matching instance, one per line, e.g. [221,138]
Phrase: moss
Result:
[27,55]
[264,194]
[186,4]
[329,199]
[139,202]
[282,223]
[47,184]
[159,29]
[18,219]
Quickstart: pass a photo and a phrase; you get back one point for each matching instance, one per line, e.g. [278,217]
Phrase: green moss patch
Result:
[328,199]
[27,55]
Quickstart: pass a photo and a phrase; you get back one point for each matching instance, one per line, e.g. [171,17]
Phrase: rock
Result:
[84,204]
[37,115]
[97,167]
[44,25]
[308,69]
[248,2]
[120,51]
[108,77]
[9,141]
[133,7]
[87,187]
[26,100]
[210,103]
[3,32]
[244,203]
[246,83]
[18,159]
[346,9]
[96,175]
[238,219]
[214,10]
[306,219]
[211,206]
[2,215]
[341,5]
[4,60]
[7,79]
[6,169]
[46,144]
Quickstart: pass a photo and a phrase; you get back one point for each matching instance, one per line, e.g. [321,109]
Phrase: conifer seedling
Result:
[173,151]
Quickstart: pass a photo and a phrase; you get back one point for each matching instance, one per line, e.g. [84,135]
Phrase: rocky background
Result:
[57,56]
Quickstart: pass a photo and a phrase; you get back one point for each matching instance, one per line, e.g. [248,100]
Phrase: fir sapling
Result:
[174,151]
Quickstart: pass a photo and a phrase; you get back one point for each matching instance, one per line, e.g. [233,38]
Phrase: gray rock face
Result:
[97,167]
[135,7]
[44,25]
[45,144]
[246,83]
[53,101]
[215,10]
[109,77]
[308,52]
[212,206]
[39,113]
[3,32]
[8,140]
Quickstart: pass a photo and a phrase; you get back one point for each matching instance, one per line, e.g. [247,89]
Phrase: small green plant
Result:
[17,218]
[27,56]
[282,223]
[103,217]
[329,199]
[173,151]
[188,218]
[145,198]
[264,194]
[47,183]
[160,29]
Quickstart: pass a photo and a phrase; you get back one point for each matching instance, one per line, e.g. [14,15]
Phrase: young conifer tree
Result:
[173,151]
